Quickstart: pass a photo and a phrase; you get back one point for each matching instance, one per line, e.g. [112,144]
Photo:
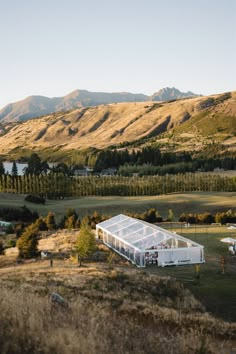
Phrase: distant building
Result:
[217,169]
[81,172]
[108,172]
[4,225]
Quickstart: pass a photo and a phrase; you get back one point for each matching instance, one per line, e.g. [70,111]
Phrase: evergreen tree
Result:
[2,250]
[41,224]
[28,242]
[50,221]
[2,169]
[34,165]
[14,170]
[86,243]
[170,216]
[70,222]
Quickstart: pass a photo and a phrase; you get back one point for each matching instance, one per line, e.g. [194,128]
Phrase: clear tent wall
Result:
[143,243]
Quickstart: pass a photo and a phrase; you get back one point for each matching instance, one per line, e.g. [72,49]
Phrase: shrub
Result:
[11,243]
[37,199]
[28,242]
[86,243]
[2,249]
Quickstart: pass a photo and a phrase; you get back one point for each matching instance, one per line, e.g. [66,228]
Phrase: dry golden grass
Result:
[104,125]
[119,310]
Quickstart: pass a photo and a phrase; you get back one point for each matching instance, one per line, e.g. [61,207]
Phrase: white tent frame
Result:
[143,243]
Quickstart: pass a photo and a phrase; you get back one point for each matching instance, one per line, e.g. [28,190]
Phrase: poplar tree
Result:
[2,169]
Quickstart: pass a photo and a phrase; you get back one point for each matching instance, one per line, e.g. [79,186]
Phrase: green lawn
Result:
[216,290]
[179,203]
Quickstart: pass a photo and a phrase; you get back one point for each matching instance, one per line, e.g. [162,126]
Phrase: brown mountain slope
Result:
[106,125]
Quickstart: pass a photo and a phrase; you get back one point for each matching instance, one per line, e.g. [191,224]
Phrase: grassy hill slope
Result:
[186,124]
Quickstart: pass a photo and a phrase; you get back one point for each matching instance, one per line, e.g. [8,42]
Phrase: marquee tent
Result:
[228,240]
[144,244]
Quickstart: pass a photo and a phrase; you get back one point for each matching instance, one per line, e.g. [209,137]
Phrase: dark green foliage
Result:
[226,217]
[36,166]
[2,249]
[28,242]
[62,168]
[14,170]
[37,199]
[170,216]
[151,215]
[11,243]
[19,228]
[9,229]
[62,186]
[2,169]
[70,220]
[18,214]
[205,218]
[41,224]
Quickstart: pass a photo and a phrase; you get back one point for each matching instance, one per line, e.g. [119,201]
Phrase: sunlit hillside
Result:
[183,124]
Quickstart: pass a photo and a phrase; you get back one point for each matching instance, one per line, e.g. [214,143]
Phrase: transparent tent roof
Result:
[139,234]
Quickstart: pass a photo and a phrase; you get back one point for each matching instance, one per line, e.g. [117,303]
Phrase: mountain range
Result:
[193,124]
[35,106]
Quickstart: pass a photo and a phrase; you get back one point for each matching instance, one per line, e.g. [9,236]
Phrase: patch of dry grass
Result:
[119,310]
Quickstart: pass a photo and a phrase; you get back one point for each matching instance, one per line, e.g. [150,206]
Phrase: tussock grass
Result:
[110,311]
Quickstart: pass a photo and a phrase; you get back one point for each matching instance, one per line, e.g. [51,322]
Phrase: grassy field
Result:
[179,203]
[214,289]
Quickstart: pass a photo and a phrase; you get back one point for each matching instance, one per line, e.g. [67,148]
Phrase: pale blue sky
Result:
[52,47]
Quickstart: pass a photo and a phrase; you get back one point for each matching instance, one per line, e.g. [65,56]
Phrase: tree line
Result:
[149,160]
[58,186]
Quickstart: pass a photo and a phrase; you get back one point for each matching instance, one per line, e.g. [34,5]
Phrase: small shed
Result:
[144,244]
[4,224]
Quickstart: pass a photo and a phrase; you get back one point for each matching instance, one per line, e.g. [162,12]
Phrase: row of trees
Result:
[28,238]
[56,186]
[207,218]
[203,165]
[146,161]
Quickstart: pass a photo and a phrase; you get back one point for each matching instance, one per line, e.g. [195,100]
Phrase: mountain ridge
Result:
[37,105]
[183,125]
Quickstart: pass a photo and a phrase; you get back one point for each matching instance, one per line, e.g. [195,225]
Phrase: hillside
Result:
[115,309]
[188,124]
[34,106]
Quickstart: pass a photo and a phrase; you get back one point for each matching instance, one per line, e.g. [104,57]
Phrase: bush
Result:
[2,250]
[28,242]
[11,243]
[37,199]
[18,214]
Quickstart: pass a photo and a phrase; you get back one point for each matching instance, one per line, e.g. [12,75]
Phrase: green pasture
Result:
[185,202]
[216,290]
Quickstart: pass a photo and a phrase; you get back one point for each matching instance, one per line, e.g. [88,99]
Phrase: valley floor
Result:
[194,202]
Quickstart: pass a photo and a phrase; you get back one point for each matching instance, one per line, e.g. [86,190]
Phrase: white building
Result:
[143,243]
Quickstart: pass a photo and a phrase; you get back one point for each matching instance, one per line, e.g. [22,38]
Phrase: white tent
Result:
[228,240]
[143,243]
